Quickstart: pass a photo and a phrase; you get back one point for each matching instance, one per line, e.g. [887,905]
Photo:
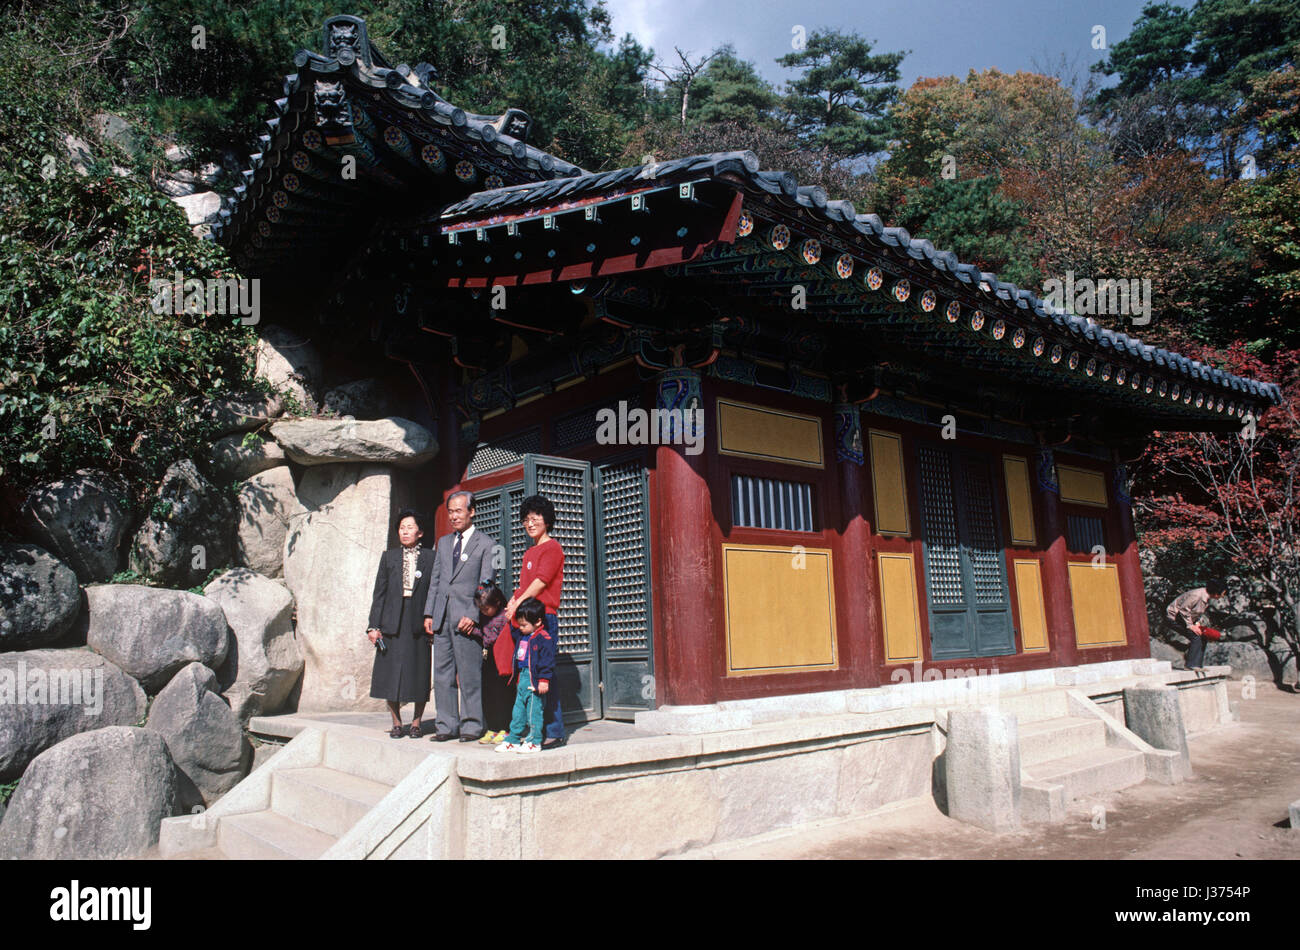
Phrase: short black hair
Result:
[1217,584]
[489,595]
[532,610]
[538,505]
[409,513]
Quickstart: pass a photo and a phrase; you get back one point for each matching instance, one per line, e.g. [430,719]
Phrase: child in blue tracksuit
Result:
[535,667]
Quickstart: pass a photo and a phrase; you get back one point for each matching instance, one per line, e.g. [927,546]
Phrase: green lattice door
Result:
[605,667]
[623,585]
[966,582]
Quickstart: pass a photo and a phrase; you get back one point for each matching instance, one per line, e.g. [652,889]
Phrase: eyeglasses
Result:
[534,519]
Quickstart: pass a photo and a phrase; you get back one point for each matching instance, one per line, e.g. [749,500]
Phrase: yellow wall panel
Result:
[1029,598]
[780,609]
[888,486]
[899,610]
[1098,612]
[1020,502]
[1082,486]
[756,432]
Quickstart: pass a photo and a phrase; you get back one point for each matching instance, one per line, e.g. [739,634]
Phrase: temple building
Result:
[791,449]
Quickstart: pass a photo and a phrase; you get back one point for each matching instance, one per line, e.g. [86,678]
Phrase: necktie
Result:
[455,551]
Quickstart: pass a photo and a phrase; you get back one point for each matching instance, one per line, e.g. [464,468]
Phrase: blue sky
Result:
[946,37]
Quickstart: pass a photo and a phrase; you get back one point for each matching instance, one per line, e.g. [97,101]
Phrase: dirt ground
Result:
[1235,806]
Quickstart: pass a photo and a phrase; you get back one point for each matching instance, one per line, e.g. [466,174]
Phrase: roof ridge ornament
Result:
[345,39]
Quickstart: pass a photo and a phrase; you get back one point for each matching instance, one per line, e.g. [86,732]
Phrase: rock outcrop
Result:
[39,597]
[187,532]
[265,660]
[331,555]
[47,696]
[267,502]
[394,441]
[100,794]
[81,519]
[290,363]
[203,735]
[151,633]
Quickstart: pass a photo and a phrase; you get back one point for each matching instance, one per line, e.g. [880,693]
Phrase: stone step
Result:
[377,758]
[263,835]
[323,798]
[1035,704]
[1091,772]
[1044,739]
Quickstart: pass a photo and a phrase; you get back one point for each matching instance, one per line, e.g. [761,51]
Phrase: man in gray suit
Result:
[462,561]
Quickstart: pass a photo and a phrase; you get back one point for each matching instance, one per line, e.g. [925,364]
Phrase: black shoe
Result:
[442,737]
[554,743]
[473,738]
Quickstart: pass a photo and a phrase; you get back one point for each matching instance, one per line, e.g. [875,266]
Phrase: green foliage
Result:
[1268,219]
[130,577]
[90,376]
[7,791]
[839,104]
[547,57]
[730,89]
[976,221]
[1185,76]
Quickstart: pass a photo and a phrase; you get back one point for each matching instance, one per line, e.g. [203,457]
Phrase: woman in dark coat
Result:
[403,671]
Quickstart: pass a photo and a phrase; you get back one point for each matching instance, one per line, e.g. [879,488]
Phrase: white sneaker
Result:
[529,747]
[508,747]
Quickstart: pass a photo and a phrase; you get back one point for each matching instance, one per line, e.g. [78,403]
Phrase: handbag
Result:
[503,651]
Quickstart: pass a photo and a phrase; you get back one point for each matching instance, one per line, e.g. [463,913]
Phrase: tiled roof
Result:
[742,169]
[402,137]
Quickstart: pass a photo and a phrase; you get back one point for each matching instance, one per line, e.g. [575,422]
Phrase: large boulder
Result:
[267,502]
[48,695]
[39,597]
[204,736]
[188,531]
[1244,658]
[330,558]
[291,364]
[1164,651]
[151,633]
[242,412]
[77,151]
[1284,659]
[200,207]
[115,130]
[81,519]
[237,457]
[362,399]
[395,441]
[265,660]
[100,794]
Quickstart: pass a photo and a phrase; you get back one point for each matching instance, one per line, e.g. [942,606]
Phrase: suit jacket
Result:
[386,605]
[452,586]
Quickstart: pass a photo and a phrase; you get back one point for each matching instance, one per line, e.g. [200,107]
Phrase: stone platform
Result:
[341,788]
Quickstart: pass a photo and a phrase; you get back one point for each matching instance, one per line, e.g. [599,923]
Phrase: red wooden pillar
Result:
[1057,605]
[1131,590]
[858,605]
[688,564]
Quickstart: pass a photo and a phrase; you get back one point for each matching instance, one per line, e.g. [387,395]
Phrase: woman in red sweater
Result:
[542,576]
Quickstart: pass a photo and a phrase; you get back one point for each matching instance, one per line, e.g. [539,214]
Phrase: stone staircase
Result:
[1066,755]
[308,805]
